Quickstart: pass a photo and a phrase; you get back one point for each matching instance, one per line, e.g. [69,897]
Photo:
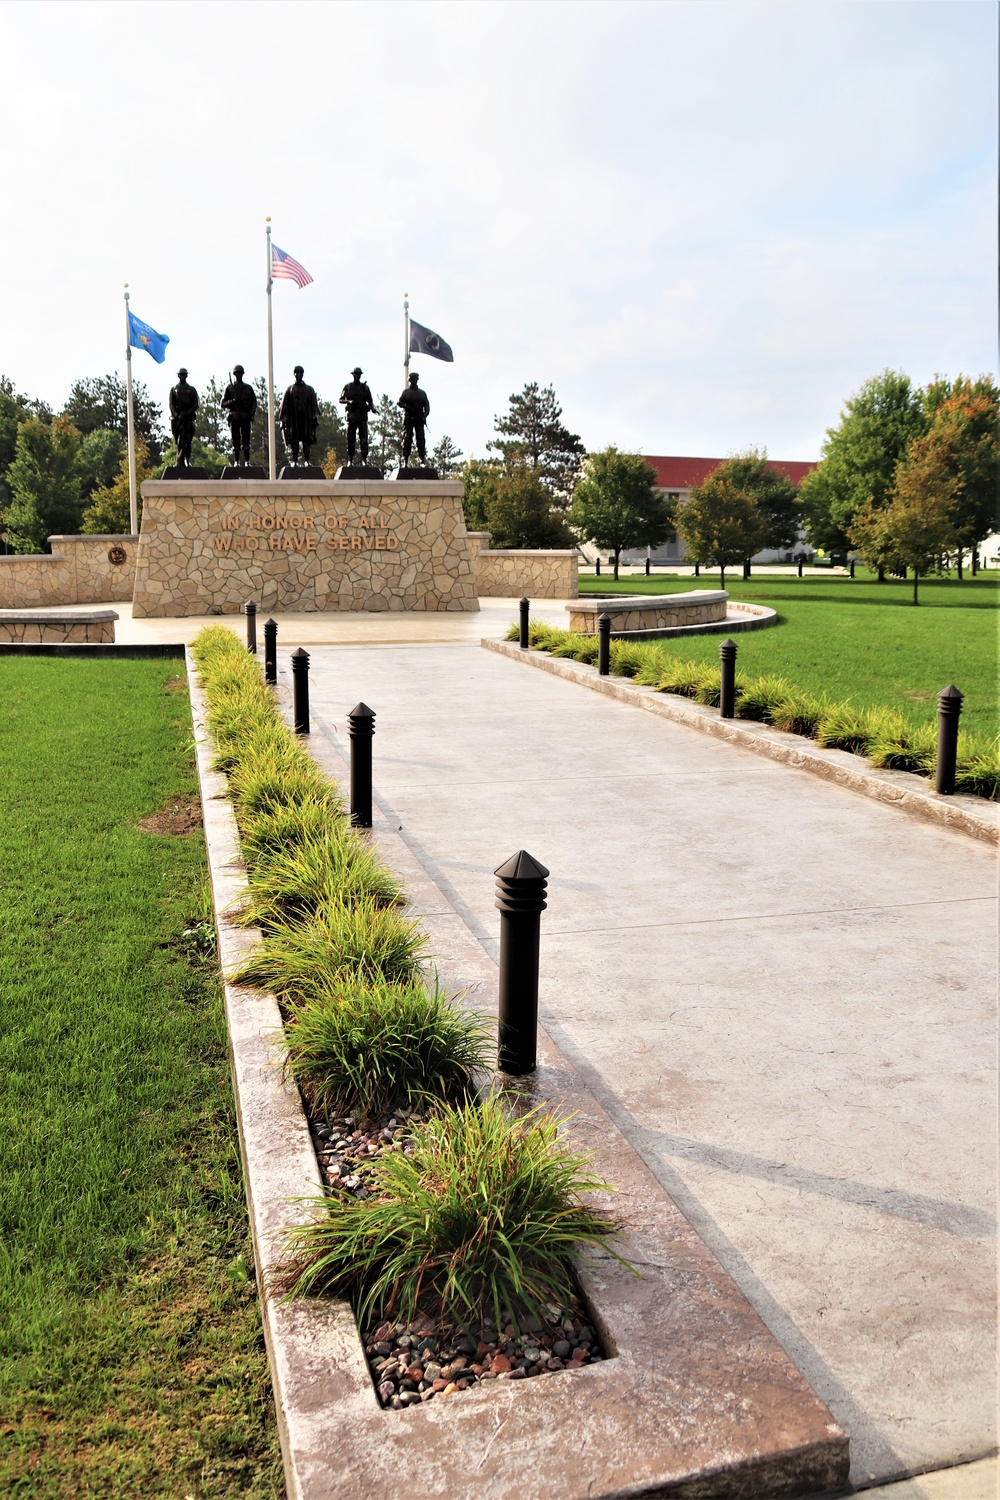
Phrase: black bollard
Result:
[696,570]
[270,651]
[361,722]
[251,614]
[647,567]
[852,567]
[949,709]
[520,901]
[800,567]
[746,570]
[727,691]
[300,690]
[597,567]
[525,607]
[604,644]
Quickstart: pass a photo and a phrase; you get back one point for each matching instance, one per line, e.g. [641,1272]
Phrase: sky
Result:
[704,223]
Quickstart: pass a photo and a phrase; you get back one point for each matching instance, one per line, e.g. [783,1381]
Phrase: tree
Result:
[775,494]
[386,428]
[331,431]
[211,423]
[100,454]
[479,477]
[616,503]
[519,511]
[14,407]
[532,433]
[859,457]
[963,442]
[446,458]
[101,401]
[721,524]
[46,484]
[108,512]
[915,530]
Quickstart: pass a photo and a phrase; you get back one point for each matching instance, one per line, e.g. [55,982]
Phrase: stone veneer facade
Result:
[650,611]
[519,571]
[302,546]
[79,570]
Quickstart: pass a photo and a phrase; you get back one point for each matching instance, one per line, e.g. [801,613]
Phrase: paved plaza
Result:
[781,991]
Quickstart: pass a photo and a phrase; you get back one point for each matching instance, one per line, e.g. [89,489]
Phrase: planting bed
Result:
[698,1399]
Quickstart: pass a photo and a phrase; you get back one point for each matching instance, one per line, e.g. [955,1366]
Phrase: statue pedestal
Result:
[176,471]
[300,545]
[299,471]
[416,474]
[358,471]
[243,471]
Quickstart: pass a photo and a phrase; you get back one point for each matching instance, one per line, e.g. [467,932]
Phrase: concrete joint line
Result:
[971,815]
[700,1399]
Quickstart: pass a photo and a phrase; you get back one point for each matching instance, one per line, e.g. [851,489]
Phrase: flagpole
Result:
[133,508]
[271,466]
[406,340]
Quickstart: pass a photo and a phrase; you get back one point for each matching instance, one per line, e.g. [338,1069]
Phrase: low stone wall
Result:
[650,611]
[518,572]
[79,570]
[38,625]
[302,545]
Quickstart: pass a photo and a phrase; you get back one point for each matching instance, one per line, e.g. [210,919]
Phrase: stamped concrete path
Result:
[781,991]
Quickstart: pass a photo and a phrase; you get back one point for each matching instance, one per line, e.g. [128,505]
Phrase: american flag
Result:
[283,264]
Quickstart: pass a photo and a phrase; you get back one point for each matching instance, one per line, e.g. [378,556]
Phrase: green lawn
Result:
[858,639]
[131,1356]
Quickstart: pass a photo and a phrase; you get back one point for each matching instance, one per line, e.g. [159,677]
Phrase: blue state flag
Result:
[141,336]
[425,341]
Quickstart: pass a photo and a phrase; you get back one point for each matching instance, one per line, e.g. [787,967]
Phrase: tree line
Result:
[906,480]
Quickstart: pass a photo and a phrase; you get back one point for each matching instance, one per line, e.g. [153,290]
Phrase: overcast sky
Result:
[704,223]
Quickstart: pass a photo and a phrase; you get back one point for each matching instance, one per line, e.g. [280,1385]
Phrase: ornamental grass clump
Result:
[797,714]
[280,829]
[844,727]
[297,961]
[482,1219]
[760,696]
[290,884]
[977,768]
[894,745]
[367,1049]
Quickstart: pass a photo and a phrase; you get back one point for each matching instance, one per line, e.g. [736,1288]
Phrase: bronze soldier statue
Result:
[416,410]
[183,405]
[240,404]
[299,417]
[357,398]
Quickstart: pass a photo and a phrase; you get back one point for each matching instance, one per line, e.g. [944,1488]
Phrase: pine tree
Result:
[46,484]
[533,433]
[108,512]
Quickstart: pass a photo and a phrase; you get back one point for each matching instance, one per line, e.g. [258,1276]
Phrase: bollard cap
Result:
[272,624]
[250,605]
[521,866]
[525,601]
[951,692]
[728,645]
[361,711]
[300,655]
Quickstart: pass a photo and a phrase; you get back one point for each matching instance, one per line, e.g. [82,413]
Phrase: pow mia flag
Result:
[425,341]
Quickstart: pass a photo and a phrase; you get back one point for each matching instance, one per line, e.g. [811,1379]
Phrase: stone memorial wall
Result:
[79,570]
[301,546]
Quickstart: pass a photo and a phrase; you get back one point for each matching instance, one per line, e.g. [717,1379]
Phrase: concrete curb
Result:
[699,1401]
[972,815]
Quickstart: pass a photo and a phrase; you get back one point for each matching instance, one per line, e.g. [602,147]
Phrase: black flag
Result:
[424,341]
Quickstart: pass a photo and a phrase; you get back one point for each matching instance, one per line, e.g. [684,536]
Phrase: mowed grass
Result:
[858,639]
[131,1356]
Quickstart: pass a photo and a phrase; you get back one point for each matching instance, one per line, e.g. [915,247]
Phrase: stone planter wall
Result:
[532,572]
[79,570]
[650,611]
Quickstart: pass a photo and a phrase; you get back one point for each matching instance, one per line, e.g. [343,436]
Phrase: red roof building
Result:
[684,473]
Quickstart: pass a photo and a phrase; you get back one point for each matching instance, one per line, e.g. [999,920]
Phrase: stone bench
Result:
[37,625]
[638,617]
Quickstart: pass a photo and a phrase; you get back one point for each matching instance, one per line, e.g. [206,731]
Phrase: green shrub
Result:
[370,1048]
[588,650]
[627,658]
[844,727]
[481,1220]
[680,676]
[311,958]
[654,664]
[798,714]
[760,696]
[568,646]
[709,689]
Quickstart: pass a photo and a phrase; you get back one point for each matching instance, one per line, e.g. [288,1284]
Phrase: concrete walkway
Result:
[781,991]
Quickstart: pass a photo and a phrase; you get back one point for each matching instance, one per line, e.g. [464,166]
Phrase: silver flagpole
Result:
[406,355]
[271,466]
[133,507]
